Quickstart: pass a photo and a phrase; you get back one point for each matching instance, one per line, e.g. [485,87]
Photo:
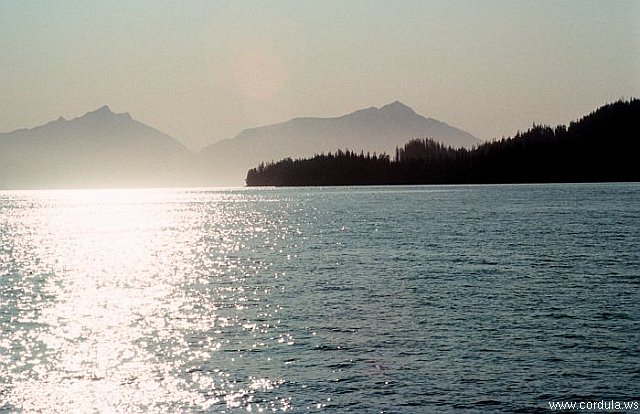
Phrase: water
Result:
[371,299]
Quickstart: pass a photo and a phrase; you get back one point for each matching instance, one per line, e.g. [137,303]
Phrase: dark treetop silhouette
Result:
[602,146]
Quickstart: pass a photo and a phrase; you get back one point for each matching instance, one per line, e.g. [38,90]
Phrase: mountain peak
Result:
[397,106]
[394,108]
[104,112]
[103,109]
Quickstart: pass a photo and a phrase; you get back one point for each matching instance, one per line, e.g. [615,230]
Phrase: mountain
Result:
[107,149]
[600,147]
[372,129]
[98,149]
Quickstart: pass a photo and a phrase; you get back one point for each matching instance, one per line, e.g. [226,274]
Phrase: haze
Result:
[202,71]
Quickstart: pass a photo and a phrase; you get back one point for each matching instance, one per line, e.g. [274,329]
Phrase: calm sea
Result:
[365,299]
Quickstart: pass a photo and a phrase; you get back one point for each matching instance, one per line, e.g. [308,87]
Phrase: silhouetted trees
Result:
[602,146]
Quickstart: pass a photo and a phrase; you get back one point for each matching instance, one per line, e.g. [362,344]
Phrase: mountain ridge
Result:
[370,129]
[106,149]
[599,147]
[98,149]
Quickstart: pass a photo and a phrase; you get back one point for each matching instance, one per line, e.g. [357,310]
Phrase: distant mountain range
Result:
[602,146]
[99,149]
[105,149]
[372,129]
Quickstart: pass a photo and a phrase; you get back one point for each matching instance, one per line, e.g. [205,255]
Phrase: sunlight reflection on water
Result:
[391,299]
[128,278]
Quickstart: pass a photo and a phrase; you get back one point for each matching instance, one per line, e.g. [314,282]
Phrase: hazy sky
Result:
[204,70]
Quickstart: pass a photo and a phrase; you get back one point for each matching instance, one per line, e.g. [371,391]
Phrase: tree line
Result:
[602,146]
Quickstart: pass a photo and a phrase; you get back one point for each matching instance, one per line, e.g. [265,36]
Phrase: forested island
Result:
[602,146]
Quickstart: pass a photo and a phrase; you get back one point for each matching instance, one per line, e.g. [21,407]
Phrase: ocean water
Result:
[364,299]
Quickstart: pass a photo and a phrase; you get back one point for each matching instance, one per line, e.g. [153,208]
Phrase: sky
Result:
[202,71]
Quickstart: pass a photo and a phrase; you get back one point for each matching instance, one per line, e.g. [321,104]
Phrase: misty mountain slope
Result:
[105,149]
[98,149]
[372,129]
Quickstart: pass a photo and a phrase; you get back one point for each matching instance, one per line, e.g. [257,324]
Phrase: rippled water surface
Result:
[371,299]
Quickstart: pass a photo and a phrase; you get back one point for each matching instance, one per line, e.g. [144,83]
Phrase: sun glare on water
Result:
[109,281]
[113,330]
